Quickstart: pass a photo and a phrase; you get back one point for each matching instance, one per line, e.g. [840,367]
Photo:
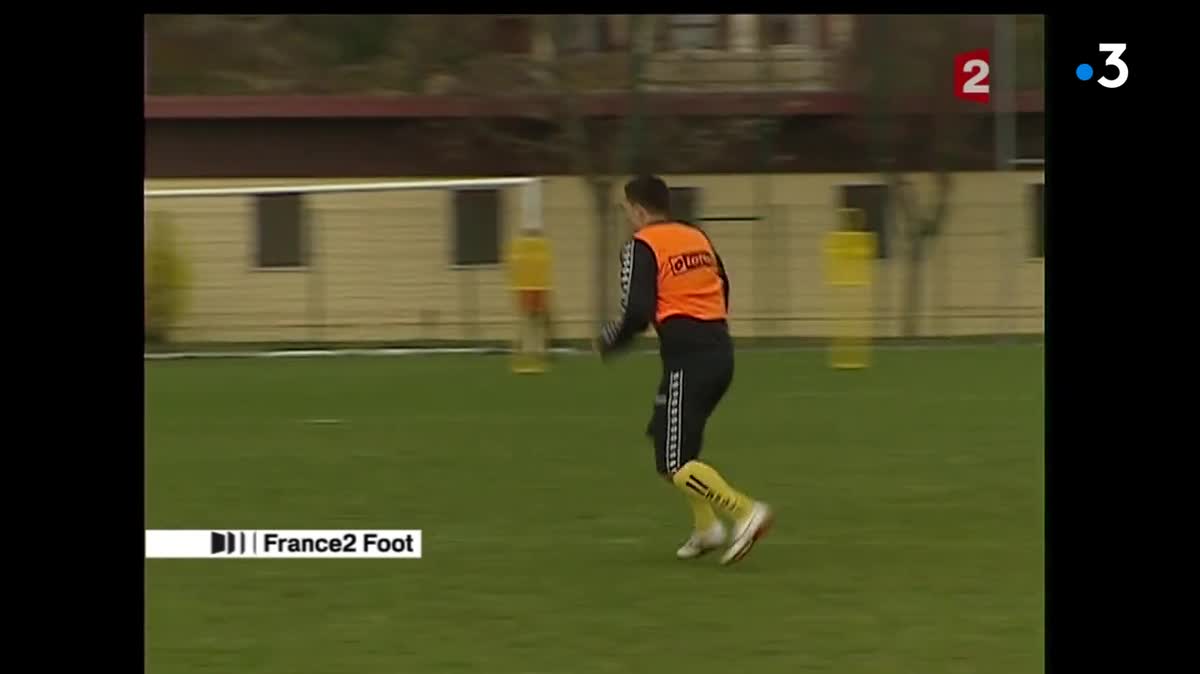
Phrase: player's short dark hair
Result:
[649,192]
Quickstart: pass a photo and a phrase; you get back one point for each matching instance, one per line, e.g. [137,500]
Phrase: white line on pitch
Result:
[911,395]
[434,540]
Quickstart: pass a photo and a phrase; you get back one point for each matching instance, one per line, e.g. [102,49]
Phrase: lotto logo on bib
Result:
[283,544]
[681,264]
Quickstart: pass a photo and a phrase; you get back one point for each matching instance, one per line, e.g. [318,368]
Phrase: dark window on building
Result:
[587,34]
[512,34]
[685,204]
[696,31]
[789,29]
[476,227]
[280,232]
[872,200]
[1037,206]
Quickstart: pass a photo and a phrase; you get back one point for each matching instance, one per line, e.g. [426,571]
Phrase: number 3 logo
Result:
[1114,50]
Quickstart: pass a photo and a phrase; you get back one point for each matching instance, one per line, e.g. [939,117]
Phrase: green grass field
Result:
[908,539]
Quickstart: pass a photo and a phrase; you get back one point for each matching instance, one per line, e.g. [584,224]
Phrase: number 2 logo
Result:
[1114,51]
[975,84]
[972,71]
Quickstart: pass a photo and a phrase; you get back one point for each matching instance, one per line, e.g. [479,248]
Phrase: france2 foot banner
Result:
[282,544]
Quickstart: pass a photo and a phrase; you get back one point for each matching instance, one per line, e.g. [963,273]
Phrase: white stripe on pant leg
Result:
[679,445]
[626,274]
[674,419]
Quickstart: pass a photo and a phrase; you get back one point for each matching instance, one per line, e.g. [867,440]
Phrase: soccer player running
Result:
[671,276]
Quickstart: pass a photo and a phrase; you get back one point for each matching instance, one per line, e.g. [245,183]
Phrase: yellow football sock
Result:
[704,480]
[702,513]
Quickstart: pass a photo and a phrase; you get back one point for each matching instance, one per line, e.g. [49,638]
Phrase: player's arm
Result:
[639,296]
[720,269]
[724,277]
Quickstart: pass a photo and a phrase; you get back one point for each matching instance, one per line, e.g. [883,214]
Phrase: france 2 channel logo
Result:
[972,73]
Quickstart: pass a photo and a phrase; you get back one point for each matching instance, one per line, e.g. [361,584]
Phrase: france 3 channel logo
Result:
[283,544]
[972,72]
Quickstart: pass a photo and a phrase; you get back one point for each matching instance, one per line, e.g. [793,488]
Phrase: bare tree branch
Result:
[573,118]
[899,57]
[944,190]
[901,190]
[486,129]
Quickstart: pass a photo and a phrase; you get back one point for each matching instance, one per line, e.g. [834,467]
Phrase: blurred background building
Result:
[765,125]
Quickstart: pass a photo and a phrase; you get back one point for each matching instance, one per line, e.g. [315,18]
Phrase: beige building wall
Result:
[383,264]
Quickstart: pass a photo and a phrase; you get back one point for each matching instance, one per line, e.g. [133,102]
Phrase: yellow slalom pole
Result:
[529,266]
[849,258]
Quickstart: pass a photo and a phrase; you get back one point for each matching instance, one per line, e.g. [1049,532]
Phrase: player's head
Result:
[647,200]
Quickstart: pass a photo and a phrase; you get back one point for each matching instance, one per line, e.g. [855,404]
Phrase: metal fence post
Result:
[316,280]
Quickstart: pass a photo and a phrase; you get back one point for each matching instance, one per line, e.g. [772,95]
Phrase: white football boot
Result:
[702,542]
[746,532]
